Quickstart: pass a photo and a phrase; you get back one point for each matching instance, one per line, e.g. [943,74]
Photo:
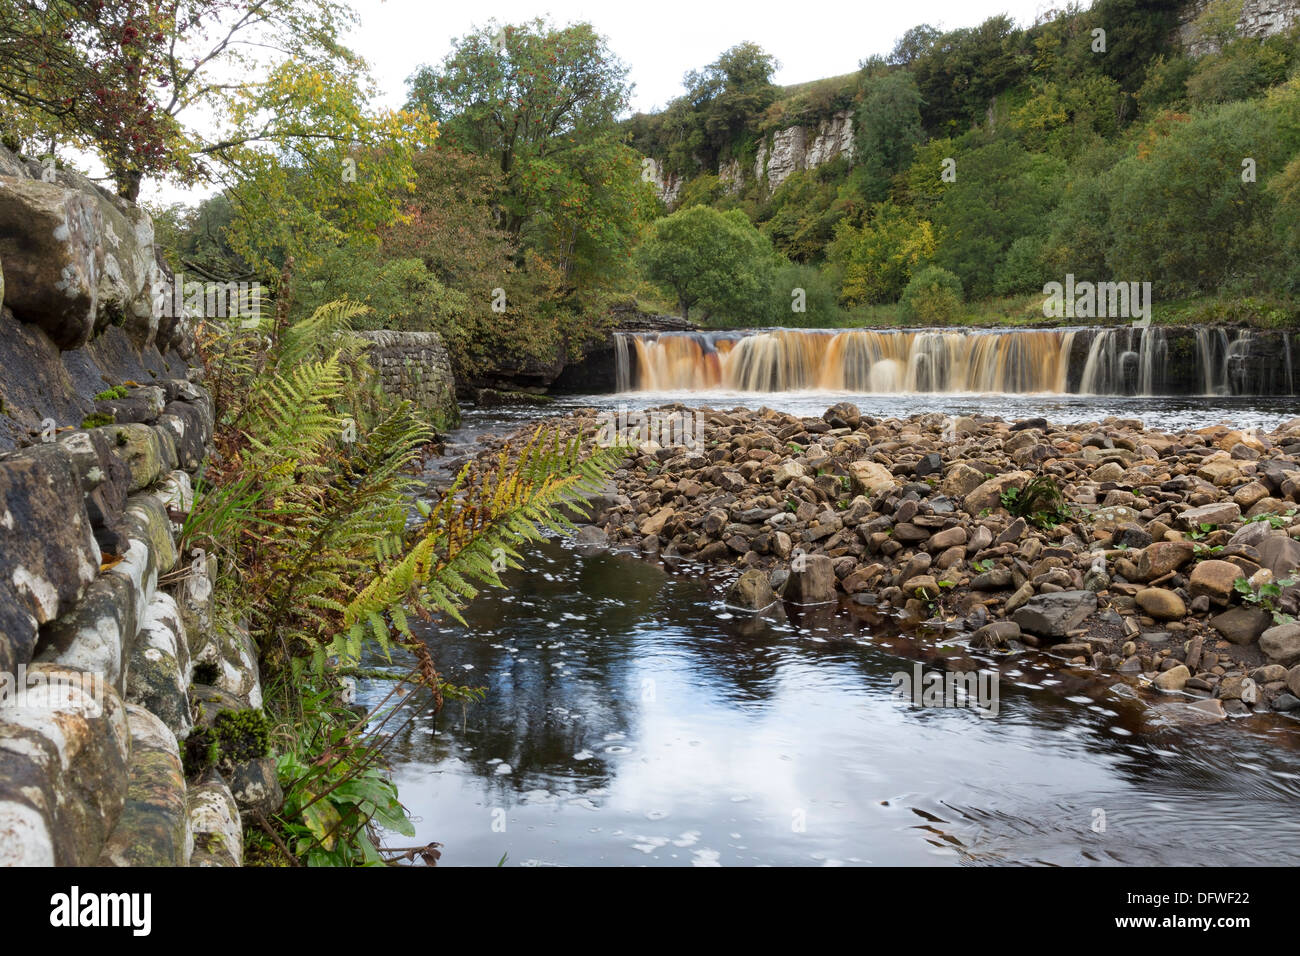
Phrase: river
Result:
[632,719]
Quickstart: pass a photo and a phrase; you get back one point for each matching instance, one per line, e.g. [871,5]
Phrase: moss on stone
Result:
[97,419]
[202,750]
[235,737]
[242,735]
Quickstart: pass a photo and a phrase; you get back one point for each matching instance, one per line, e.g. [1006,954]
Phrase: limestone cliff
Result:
[784,151]
[1259,18]
[780,153]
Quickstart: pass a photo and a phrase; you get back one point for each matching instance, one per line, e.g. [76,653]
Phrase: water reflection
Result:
[632,719]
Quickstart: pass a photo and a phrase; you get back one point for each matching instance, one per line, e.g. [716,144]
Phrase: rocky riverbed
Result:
[1166,557]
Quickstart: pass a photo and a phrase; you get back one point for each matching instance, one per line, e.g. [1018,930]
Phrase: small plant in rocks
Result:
[1265,595]
[1039,502]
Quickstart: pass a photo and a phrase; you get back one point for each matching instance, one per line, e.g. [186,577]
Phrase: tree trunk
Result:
[128,183]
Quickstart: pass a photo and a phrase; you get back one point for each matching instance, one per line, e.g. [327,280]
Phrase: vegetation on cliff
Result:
[1087,143]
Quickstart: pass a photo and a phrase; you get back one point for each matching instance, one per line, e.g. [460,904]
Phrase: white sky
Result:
[659,40]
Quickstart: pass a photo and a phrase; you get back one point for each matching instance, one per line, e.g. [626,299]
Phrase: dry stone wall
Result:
[415,366]
[110,648]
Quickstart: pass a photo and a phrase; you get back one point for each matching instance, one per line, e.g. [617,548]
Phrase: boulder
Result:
[1280,553]
[1157,560]
[1242,625]
[997,634]
[1161,603]
[812,580]
[1055,615]
[843,415]
[961,480]
[48,552]
[64,746]
[1281,644]
[870,478]
[989,493]
[1215,580]
[214,822]
[1174,679]
[1217,514]
[52,247]
[752,591]
[154,828]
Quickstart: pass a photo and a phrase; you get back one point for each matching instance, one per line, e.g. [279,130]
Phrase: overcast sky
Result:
[659,40]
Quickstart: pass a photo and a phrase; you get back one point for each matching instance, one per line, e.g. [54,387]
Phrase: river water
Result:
[632,719]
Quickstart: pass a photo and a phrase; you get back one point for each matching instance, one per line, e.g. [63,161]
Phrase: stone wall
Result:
[111,652]
[415,366]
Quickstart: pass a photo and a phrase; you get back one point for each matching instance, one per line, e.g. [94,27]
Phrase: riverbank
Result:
[1026,312]
[1167,557]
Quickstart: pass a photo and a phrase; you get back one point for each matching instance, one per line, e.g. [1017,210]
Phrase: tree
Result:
[888,127]
[523,94]
[961,71]
[338,173]
[877,260]
[933,297]
[914,44]
[721,108]
[540,102]
[715,260]
[120,78]
[1001,193]
[731,93]
[801,216]
[1182,214]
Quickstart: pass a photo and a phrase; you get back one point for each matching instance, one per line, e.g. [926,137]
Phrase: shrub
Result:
[933,297]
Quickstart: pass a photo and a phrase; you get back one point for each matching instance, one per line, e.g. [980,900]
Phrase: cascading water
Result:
[1124,360]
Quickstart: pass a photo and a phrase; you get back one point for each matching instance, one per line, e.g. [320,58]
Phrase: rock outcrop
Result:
[103,625]
[1259,18]
[803,147]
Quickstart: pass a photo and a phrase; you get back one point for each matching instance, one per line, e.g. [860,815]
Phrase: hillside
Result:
[1008,157]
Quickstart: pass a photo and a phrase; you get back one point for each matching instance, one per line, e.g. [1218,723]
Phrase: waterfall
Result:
[622,372]
[1123,360]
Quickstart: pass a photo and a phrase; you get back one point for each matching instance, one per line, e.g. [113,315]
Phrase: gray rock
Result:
[48,552]
[931,464]
[1053,615]
[1280,553]
[52,246]
[214,822]
[1219,513]
[812,580]
[997,634]
[255,786]
[1281,644]
[153,829]
[64,746]
[843,415]
[1173,679]
[1242,625]
[751,591]
[1285,702]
